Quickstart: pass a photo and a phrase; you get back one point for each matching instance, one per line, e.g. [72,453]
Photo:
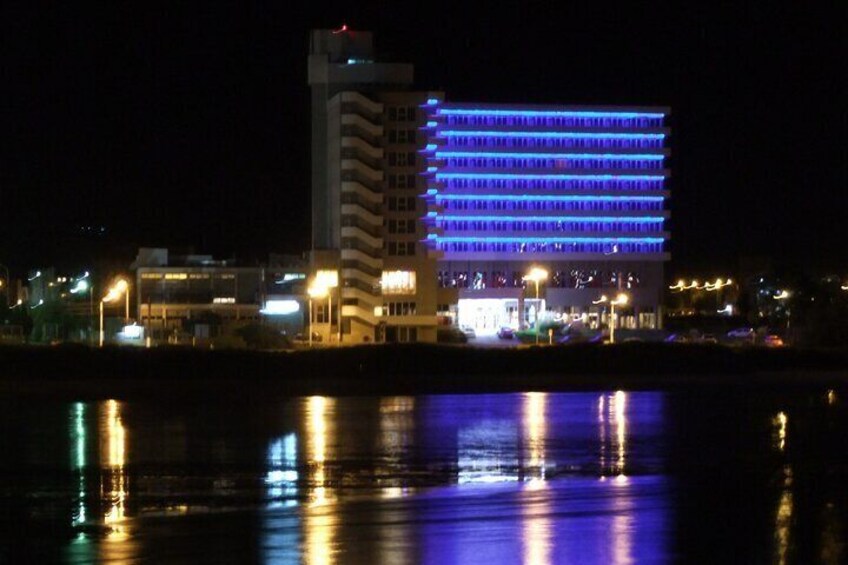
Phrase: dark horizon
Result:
[189,126]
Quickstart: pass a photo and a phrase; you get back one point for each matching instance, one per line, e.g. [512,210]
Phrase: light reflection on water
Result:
[533,478]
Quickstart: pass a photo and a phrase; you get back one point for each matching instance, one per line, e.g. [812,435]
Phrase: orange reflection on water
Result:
[535,426]
[113,458]
[397,427]
[317,431]
[618,404]
[114,485]
[780,421]
[536,527]
[319,521]
[612,418]
[622,523]
[783,519]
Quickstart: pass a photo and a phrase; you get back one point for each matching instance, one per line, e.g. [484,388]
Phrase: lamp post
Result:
[783,295]
[123,287]
[329,280]
[315,291]
[536,275]
[620,300]
[4,283]
[115,292]
[717,286]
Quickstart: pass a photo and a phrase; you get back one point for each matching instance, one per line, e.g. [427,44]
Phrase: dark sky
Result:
[188,125]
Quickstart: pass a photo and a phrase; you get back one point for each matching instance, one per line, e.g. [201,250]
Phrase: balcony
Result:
[358,233]
[360,144]
[361,213]
[361,168]
[363,191]
[361,257]
[361,123]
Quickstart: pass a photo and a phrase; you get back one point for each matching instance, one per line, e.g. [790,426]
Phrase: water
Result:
[610,477]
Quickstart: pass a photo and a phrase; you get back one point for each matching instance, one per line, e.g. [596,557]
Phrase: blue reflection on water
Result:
[282,471]
[593,512]
[533,478]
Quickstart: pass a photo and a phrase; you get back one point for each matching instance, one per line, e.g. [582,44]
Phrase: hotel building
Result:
[578,191]
[434,212]
[368,183]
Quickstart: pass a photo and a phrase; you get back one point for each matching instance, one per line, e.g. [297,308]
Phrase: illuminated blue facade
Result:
[578,191]
[507,155]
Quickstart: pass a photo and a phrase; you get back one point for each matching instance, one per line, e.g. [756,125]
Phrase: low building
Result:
[182,296]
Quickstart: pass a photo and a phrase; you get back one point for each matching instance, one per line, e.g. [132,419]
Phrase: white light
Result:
[398,282]
[81,286]
[133,332]
[288,277]
[327,279]
[280,307]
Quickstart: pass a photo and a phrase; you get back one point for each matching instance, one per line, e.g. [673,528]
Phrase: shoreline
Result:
[183,373]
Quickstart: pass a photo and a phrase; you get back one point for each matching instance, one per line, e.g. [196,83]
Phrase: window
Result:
[400,248]
[402,181]
[399,309]
[401,226]
[398,282]
[402,203]
[402,114]
[396,334]
[402,136]
[402,159]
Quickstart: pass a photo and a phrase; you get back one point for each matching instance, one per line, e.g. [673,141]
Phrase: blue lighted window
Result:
[548,113]
[550,134]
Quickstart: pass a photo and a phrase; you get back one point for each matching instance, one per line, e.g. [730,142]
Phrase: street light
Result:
[329,279]
[783,295]
[681,284]
[315,291]
[620,300]
[120,287]
[4,283]
[123,287]
[536,275]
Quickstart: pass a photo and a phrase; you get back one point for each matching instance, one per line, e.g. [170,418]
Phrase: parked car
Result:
[468,331]
[506,332]
[678,338]
[450,334]
[741,333]
[773,340]
[304,338]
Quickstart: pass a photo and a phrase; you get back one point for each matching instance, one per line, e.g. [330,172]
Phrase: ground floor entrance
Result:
[487,315]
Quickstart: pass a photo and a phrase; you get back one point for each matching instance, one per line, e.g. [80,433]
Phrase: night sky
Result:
[189,126]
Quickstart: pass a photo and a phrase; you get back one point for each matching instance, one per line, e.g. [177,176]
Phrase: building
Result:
[198,296]
[432,211]
[577,191]
[367,187]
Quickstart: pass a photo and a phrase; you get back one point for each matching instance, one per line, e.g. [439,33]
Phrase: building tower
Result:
[368,129]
